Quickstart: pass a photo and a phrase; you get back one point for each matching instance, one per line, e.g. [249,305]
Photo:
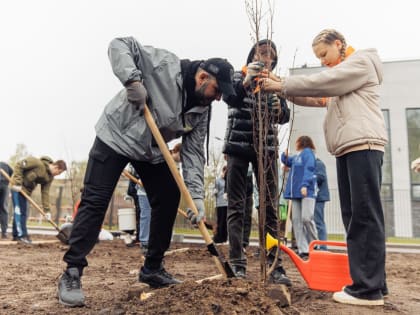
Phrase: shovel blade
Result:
[223,262]
[63,238]
[64,233]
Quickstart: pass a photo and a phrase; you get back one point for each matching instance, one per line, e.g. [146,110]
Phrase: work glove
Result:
[273,102]
[136,95]
[196,218]
[253,70]
[48,215]
[225,196]
[16,188]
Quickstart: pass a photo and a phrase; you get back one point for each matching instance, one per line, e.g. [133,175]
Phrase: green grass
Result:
[254,234]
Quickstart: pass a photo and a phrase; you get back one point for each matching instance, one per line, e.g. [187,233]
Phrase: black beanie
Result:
[260,43]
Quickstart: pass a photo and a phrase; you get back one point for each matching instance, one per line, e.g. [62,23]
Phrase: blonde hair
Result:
[328,36]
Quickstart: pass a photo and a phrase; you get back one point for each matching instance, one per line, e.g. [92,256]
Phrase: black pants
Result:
[248,211]
[359,183]
[237,169]
[221,232]
[102,174]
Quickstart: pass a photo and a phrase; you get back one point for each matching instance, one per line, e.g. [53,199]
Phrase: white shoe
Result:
[345,298]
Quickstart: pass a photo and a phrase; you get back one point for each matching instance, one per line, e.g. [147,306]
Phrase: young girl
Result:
[355,134]
[301,189]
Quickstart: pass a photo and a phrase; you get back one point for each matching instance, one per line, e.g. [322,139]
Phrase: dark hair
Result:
[270,44]
[305,142]
[61,165]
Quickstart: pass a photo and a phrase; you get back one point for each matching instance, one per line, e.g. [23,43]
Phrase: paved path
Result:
[197,239]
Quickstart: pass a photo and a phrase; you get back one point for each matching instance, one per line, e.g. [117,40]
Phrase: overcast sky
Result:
[55,77]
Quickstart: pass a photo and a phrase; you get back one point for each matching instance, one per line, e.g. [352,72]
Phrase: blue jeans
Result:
[20,211]
[303,223]
[145,214]
[320,223]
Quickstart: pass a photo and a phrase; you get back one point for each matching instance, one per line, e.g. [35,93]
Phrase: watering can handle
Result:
[328,243]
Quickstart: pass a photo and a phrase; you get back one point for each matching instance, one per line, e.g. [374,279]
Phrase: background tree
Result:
[20,153]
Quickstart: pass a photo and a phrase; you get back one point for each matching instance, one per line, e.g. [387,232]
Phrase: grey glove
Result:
[253,70]
[196,218]
[273,101]
[136,95]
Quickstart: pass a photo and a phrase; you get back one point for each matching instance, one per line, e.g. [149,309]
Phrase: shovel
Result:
[63,234]
[324,270]
[222,264]
[180,211]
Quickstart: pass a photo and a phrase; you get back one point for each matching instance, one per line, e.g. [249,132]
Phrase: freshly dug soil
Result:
[29,277]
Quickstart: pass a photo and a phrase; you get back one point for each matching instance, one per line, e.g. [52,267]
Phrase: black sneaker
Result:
[158,278]
[134,243]
[144,248]
[70,288]
[239,271]
[278,276]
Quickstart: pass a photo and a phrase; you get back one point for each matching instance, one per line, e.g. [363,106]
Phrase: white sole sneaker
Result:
[345,298]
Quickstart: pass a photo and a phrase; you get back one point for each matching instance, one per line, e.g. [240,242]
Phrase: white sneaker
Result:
[345,298]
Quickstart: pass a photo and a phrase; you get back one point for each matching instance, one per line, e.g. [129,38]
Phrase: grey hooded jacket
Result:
[122,127]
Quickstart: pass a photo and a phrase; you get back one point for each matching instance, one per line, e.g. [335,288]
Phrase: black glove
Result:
[136,95]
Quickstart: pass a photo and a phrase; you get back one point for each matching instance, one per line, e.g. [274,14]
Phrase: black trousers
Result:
[359,183]
[237,169]
[221,232]
[102,174]
[248,211]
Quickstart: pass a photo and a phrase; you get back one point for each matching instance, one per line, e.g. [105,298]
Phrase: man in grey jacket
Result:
[179,94]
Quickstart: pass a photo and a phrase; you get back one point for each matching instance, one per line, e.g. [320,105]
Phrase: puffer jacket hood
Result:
[260,43]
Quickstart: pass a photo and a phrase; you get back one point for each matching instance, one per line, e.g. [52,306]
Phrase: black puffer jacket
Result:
[239,137]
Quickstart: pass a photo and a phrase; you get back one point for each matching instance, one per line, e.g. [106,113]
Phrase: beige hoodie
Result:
[354,120]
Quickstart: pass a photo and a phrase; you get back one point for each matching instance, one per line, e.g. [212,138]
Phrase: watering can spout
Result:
[300,264]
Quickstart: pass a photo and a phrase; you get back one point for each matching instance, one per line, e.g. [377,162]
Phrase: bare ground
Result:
[29,276]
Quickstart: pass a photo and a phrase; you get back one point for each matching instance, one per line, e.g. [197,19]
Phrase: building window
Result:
[387,163]
[387,195]
[413,134]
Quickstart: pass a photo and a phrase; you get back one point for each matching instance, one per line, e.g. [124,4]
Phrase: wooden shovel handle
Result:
[31,201]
